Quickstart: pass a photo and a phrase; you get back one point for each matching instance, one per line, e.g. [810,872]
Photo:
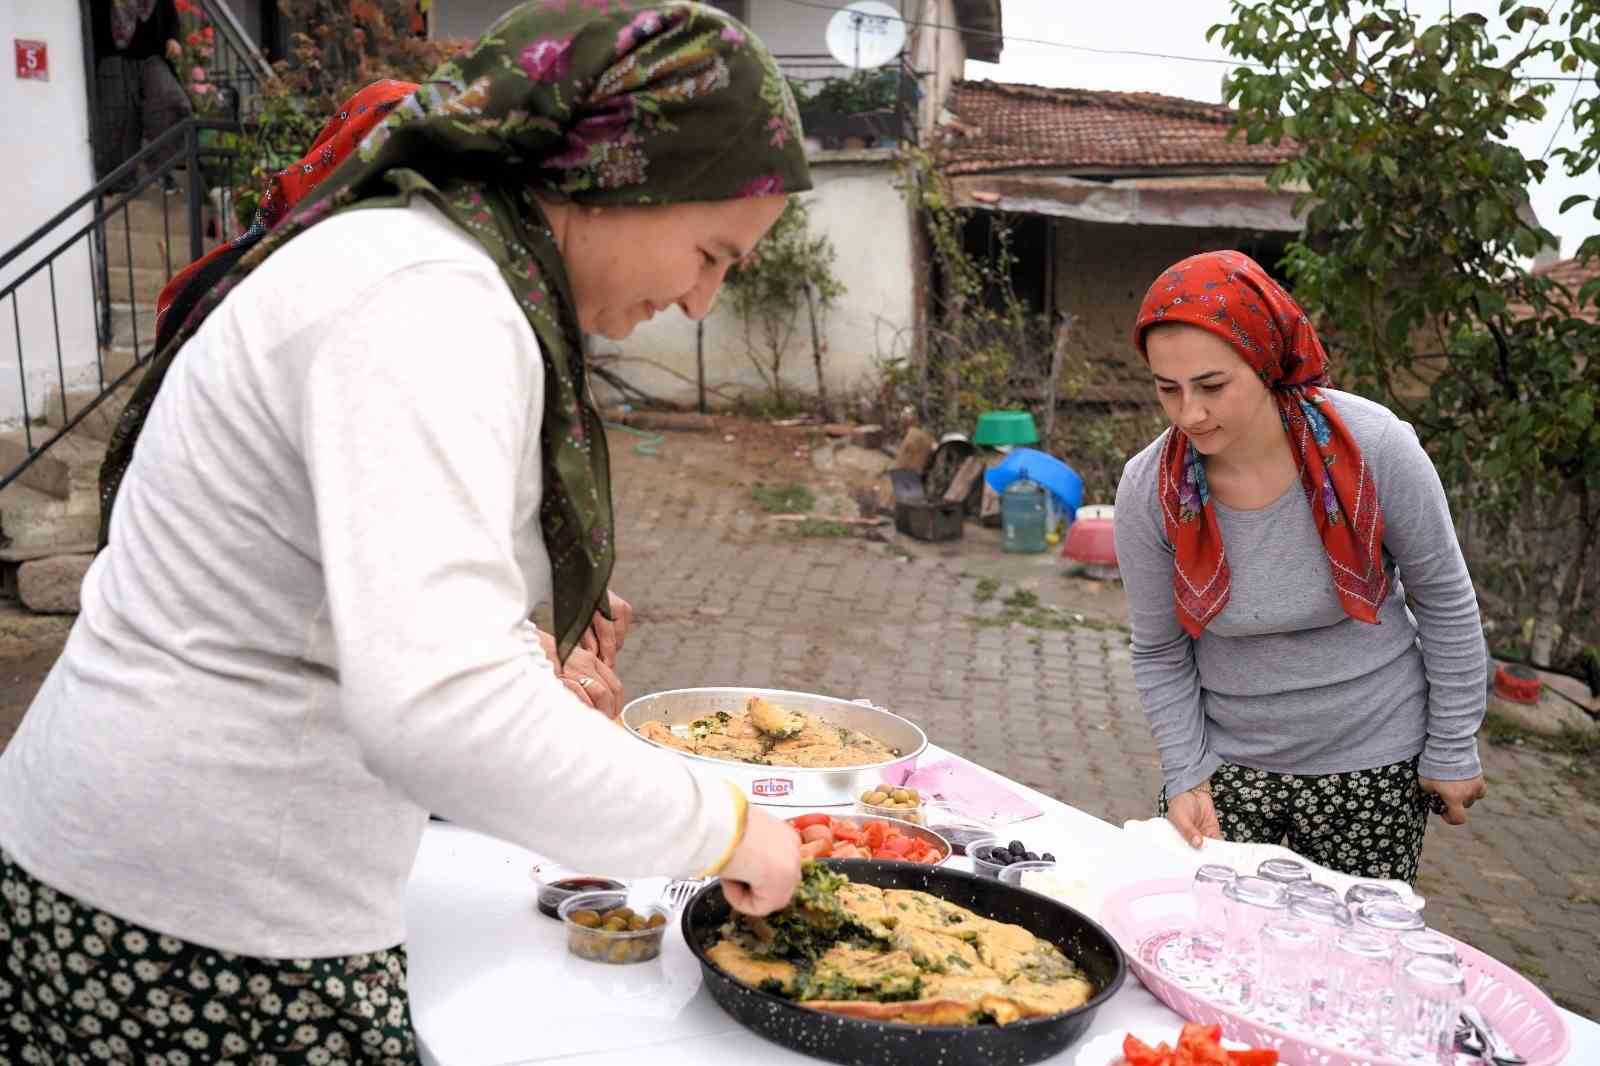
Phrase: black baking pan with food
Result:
[875,1043]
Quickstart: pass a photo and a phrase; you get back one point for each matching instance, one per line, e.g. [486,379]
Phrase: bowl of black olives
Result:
[990,855]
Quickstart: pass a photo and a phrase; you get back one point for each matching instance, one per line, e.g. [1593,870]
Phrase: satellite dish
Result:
[866,34]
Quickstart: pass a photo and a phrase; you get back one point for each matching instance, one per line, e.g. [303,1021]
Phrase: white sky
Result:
[1180,29]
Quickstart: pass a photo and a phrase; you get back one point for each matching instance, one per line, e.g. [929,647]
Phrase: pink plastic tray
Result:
[1522,1013]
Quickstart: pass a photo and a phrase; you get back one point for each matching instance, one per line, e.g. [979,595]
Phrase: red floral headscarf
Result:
[1228,294]
[335,142]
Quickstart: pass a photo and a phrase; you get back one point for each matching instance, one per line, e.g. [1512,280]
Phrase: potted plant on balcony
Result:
[857,110]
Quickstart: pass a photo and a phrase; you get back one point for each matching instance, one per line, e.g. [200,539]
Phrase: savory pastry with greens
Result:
[897,955]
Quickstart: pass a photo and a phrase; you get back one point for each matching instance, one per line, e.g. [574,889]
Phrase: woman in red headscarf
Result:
[1269,542]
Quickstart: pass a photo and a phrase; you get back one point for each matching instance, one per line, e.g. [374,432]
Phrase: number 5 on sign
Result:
[33,59]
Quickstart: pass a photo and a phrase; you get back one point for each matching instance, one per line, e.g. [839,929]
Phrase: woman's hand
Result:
[1193,815]
[604,636]
[589,679]
[174,50]
[1457,796]
[765,868]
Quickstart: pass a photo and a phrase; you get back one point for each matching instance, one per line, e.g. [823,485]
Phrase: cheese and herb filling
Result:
[897,955]
[769,734]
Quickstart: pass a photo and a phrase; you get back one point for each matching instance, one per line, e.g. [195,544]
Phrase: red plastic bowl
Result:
[1517,684]
[1091,541]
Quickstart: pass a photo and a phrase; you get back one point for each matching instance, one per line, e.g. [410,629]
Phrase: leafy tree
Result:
[1413,258]
[789,269]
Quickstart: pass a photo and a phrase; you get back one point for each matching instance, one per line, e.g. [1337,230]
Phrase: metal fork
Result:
[677,893]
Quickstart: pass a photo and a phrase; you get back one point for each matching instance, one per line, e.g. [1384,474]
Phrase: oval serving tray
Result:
[1136,913]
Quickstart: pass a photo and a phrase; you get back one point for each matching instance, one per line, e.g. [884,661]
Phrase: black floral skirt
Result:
[80,986]
[1366,823]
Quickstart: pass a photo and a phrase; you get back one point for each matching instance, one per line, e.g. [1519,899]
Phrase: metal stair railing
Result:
[108,204]
[237,65]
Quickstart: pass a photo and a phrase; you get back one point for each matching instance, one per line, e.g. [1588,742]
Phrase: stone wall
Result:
[1101,273]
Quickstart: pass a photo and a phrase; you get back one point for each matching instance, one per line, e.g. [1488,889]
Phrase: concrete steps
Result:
[136,285]
[152,237]
[152,250]
[37,525]
[72,464]
[50,516]
[128,323]
[99,423]
[153,211]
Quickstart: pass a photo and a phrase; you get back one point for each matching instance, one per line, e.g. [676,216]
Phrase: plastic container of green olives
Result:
[906,809]
[602,928]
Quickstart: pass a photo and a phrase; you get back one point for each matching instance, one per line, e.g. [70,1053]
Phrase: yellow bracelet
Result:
[741,821]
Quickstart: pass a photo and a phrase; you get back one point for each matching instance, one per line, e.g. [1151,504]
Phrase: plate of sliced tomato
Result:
[832,836]
[1196,1045]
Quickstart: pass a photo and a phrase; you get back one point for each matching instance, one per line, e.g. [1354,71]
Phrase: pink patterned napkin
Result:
[966,790]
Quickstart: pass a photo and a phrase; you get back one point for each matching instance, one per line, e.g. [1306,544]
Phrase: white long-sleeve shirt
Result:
[309,628]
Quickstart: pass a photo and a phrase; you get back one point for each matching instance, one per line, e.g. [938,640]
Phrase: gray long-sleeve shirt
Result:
[1282,679]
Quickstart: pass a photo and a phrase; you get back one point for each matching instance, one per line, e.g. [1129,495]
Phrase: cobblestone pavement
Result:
[724,596]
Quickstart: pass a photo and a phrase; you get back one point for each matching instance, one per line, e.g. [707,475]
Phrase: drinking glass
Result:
[1211,921]
[1425,942]
[1429,995]
[1017,871]
[1362,891]
[1359,975]
[1283,871]
[1248,904]
[1328,919]
[1288,960]
[1311,890]
[1389,918]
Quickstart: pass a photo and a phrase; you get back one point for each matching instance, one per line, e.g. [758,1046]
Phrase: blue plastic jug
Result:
[1023,518]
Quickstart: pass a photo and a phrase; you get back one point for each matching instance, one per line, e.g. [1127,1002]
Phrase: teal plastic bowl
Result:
[1005,427]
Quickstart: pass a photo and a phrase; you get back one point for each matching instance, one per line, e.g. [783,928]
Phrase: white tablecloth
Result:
[492,984]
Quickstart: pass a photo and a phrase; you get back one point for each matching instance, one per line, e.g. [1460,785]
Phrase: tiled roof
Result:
[1002,127]
[1574,276]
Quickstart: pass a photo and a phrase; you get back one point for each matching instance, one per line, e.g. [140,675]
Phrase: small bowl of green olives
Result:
[603,928]
[891,801]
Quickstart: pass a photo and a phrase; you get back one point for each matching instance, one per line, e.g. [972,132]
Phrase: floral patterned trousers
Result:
[1366,823]
[79,986]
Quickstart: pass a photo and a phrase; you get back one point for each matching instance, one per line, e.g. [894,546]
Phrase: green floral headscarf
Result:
[595,101]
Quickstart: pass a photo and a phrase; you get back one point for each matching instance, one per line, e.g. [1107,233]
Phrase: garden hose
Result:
[649,446]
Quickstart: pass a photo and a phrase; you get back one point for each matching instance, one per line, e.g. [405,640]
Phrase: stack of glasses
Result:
[1361,972]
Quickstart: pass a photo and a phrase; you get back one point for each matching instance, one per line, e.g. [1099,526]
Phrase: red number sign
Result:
[33,60]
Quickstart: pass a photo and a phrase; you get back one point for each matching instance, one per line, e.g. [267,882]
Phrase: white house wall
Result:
[44,140]
[859,209]
[938,54]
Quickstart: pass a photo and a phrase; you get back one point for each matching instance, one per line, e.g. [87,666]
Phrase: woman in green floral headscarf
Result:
[337,496]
